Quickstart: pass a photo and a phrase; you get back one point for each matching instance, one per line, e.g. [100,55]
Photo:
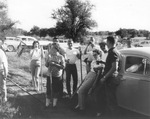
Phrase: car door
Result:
[127,86]
[133,92]
[142,103]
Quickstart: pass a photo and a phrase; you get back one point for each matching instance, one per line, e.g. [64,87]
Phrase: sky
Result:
[110,15]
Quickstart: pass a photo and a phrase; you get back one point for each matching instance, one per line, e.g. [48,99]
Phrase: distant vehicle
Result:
[28,40]
[133,92]
[145,43]
[11,43]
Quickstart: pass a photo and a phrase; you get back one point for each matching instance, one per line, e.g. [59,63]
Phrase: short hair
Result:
[34,42]
[111,40]
[102,43]
[70,40]
[98,52]
[55,39]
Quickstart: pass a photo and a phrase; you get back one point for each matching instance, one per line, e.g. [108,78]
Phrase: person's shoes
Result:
[78,110]
[66,96]
[54,103]
[48,102]
[98,114]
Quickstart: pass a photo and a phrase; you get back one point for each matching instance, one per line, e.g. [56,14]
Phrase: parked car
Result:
[145,43]
[133,92]
[11,43]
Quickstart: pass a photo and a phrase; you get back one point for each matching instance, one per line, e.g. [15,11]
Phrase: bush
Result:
[7,111]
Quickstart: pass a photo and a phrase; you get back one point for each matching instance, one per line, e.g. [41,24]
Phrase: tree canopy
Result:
[5,23]
[74,19]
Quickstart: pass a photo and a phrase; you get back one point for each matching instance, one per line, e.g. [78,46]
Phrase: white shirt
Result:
[71,54]
[94,65]
[35,54]
[90,52]
[3,60]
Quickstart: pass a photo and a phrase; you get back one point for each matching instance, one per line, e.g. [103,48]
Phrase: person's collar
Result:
[111,49]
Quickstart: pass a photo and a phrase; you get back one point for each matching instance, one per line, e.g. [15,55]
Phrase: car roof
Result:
[25,37]
[137,50]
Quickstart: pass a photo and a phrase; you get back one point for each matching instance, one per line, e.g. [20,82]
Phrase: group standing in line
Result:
[57,60]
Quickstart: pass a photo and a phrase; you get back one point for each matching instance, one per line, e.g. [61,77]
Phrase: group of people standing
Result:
[102,71]
[101,68]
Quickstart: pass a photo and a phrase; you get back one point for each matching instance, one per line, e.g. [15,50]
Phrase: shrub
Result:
[7,111]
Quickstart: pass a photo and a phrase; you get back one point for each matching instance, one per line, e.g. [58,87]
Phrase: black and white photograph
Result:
[74,59]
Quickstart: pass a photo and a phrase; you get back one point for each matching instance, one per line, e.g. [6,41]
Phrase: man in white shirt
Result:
[3,75]
[72,55]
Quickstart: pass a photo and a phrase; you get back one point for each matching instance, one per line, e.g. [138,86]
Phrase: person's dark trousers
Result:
[112,106]
[100,99]
[71,69]
[48,89]
[57,86]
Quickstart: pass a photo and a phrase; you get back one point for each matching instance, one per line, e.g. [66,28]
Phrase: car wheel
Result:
[10,48]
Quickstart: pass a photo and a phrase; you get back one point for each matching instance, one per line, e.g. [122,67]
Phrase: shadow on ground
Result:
[34,107]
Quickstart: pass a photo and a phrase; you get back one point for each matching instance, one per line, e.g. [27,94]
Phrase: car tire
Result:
[10,48]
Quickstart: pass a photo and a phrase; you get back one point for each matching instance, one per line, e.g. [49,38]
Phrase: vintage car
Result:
[133,92]
[11,43]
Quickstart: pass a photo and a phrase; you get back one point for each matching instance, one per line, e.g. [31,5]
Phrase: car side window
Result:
[134,65]
[24,39]
[30,39]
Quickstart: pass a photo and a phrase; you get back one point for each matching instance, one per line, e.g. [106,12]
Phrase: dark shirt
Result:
[113,56]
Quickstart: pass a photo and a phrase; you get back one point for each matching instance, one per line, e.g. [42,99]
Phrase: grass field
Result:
[19,69]
[32,106]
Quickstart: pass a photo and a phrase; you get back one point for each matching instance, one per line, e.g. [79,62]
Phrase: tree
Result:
[5,23]
[74,19]
[35,31]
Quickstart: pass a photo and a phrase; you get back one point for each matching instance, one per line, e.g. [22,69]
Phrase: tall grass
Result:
[20,66]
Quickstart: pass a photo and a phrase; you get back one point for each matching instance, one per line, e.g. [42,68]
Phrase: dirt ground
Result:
[33,107]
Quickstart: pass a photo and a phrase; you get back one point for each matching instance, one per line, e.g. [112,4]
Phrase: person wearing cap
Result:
[3,75]
[57,46]
[55,62]
[72,55]
[63,53]
[88,53]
